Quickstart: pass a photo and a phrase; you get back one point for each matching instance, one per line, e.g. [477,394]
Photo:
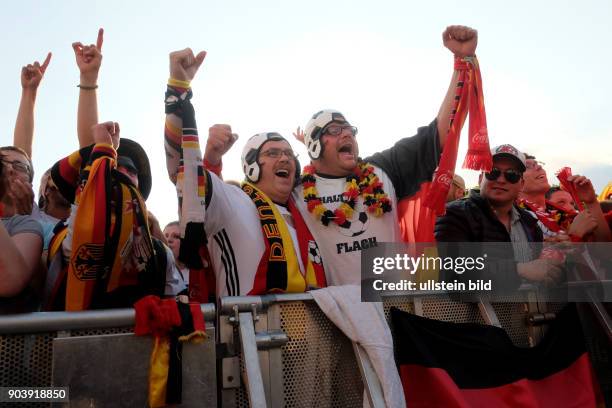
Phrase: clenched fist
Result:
[184,65]
[107,132]
[460,40]
[220,140]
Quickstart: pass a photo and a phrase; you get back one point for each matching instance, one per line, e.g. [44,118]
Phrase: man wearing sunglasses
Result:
[492,216]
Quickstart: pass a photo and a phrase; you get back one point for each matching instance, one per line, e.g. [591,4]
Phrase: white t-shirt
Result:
[235,238]
[341,247]
[401,168]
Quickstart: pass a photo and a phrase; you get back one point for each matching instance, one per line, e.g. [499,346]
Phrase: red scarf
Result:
[563,175]
[418,214]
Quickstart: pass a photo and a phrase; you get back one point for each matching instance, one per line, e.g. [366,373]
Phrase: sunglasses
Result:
[512,176]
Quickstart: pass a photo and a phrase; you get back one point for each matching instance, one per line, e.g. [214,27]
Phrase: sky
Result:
[272,64]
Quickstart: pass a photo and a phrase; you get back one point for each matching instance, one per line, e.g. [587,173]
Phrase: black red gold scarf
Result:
[111,242]
[99,243]
[171,323]
[278,270]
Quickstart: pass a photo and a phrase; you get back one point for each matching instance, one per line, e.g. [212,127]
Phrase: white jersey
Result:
[341,246]
[235,238]
[401,168]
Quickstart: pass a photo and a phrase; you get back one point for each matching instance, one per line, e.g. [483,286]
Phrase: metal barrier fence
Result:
[289,354]
[272,351]
[97,356]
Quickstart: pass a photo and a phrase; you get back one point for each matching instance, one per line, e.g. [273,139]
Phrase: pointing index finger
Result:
[45,64]
[100,39]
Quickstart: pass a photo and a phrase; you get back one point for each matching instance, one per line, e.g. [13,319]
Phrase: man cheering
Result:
[256,236]
[350,204]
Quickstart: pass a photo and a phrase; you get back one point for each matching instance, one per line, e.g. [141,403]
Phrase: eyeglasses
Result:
[511,176]
[18,166]
[336,130]
[277,153]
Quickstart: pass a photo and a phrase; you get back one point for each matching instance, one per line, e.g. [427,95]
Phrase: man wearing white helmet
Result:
[257,239]
[350,204]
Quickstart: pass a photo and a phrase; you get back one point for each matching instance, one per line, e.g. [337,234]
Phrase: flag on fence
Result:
[470,365]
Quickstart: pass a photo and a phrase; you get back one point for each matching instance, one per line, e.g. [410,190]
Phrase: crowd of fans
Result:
[89,242]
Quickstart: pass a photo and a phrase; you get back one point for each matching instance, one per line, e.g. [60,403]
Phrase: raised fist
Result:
[184,65]
[220,140]
[106,132]
[460,40]
[32,74]
[89,59]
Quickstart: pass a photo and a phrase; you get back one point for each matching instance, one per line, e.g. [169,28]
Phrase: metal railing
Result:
[97,356]
[271,351]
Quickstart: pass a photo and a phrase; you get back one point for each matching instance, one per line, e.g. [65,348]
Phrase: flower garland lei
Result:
[362,181]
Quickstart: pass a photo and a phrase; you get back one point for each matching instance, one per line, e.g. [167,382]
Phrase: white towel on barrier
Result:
[364,323]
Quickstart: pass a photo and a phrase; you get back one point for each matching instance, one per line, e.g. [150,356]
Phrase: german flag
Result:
[448,365]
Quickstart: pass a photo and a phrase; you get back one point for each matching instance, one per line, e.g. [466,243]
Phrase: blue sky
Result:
[271,64]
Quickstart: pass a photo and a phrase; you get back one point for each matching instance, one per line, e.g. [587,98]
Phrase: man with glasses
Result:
[492,216]
[351,204]
[255,235]
[20,173]
[21,235]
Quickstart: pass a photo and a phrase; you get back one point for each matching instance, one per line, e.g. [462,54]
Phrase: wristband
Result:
[87,88]
[179,83]
[213,168]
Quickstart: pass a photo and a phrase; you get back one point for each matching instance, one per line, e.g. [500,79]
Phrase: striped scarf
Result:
[278,270]
[191,177]
[171,323]
[112,249]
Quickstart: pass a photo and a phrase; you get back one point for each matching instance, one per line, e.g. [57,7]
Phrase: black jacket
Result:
[472,220]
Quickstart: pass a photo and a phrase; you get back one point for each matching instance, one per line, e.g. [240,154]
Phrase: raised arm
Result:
[462,42]
[183,67]
[89,60]
[31,75]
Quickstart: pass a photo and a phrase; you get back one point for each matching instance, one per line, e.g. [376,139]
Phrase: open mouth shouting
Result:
[283,173]
[346,150]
